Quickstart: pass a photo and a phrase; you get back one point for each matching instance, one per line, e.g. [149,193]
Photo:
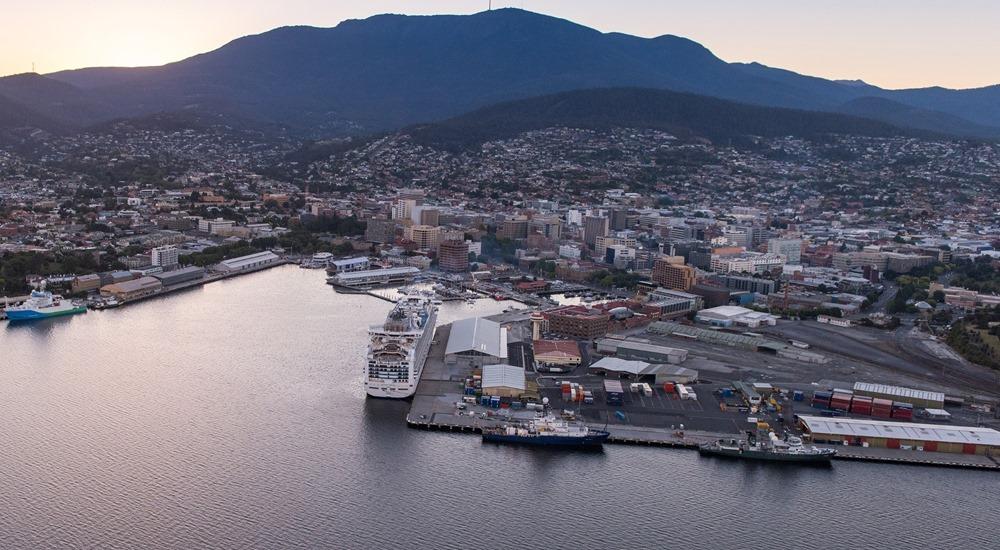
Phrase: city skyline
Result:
[881,44]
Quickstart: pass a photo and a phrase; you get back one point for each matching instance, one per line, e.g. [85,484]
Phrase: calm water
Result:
[232,416]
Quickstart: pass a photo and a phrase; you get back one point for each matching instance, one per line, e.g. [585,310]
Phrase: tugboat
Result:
[548,431]
[771,448]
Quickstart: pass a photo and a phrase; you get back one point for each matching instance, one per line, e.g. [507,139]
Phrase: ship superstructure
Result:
[398,348]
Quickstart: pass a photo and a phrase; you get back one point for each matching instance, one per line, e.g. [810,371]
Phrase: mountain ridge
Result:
[390,71]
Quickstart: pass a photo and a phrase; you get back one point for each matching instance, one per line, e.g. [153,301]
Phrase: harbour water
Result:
[233,416]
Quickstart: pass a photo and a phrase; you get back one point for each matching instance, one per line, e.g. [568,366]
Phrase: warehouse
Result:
[179,276]
[132,290]
[901,435]
[503,380]
[918,398]
[557,352]
[252,261]
[476,341]
[641,370]
[375,276]
[641,351]
[728,316]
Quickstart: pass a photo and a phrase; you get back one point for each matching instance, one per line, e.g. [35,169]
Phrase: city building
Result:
[557,352]
[593,227]
[670,272]
[602,242]
[791,249]
[347,265]
[425,236]
[453,256]
[748,262]
[165,256]
[370,277]
[577,322]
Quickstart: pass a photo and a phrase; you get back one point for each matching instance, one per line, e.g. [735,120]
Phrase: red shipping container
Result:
[930,446]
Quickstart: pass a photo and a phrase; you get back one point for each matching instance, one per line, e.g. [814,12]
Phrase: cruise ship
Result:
[398,348]
[42,305]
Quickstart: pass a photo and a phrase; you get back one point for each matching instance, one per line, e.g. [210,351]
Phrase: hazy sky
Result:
[892,43]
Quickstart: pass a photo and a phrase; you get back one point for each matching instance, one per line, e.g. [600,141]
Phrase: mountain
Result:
[59,101]
[389,71]
[904,115]
[686,115]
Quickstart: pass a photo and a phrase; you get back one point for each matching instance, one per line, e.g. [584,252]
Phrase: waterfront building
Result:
[248,262]
[178,276]
[503,380]
[476,341]
[346,265]
[132,290]
[370,277]
[901,435]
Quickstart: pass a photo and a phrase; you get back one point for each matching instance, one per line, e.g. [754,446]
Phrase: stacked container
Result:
[881,408]
[861,405]
[821,399]
[902,411]
[840,401]
[797,395]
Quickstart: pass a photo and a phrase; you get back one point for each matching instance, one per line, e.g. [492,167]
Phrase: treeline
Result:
[978,275]
[977,337]
[14,268]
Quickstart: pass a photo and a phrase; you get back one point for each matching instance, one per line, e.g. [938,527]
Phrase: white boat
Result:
[398,348]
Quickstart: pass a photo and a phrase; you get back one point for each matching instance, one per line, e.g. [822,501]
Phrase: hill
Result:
[389,71]
[685,115]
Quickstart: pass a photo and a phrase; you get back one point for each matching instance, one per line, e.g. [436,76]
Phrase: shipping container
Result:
[797,395]
[668,387]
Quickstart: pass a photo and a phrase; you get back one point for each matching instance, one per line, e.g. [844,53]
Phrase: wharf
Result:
[919,458]
[209,278]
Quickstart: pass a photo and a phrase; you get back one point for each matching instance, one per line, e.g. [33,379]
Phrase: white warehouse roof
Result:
[857,427]
[243,261]
[503,376]
[898,391]
[477,335]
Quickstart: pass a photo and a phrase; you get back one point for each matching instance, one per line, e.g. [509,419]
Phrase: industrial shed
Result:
[477,341]
[898,435]
[918,398]
[132,290]
[178,276]
[503,380]
[251,261]
[641,351]
[641,370]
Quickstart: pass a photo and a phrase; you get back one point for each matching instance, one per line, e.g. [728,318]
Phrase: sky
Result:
[890,43]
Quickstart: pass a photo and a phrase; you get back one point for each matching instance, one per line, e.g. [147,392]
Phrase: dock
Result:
[433,408]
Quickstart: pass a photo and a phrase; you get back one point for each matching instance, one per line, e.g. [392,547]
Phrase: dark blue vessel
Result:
[547,431]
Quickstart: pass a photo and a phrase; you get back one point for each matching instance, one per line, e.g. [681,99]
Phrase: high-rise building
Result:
[593,227]
[380,231]
[165,256]
[453,255]
[791,249]
[601,244]
[549,227]
[670,272]
[402,209]
[618,219]
[425,236]
[514,228]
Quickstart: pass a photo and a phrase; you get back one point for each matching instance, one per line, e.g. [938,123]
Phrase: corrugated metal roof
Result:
[479,335]
[856,427]
[233,263]
[614,364]
[898,391]
[506,376]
